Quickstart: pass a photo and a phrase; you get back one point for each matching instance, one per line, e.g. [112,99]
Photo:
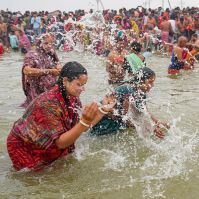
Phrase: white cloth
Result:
[173,25]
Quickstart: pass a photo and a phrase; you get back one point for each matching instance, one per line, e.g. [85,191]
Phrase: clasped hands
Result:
[93,112]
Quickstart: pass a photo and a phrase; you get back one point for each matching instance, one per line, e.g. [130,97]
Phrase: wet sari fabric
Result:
[31,143]
[35,85]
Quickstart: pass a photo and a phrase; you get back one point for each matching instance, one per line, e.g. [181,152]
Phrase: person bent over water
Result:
[135,60]
[181,58]
[135,91]
[40,69]
[51,125]
[115,63]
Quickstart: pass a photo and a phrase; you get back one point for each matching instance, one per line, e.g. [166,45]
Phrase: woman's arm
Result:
[69,137]
[40,72]
[90,116]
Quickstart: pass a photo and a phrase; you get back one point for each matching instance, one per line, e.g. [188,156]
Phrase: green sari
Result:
[135,62]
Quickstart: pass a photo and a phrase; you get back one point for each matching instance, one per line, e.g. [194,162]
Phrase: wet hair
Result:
[71,70]
[182,39]
[40,40]
[142,75]
[136,46]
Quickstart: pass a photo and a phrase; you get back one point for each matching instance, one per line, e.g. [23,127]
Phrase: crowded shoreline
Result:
[138,23]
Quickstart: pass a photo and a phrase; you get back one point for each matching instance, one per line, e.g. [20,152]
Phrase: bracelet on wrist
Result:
[102,111]
[84,124]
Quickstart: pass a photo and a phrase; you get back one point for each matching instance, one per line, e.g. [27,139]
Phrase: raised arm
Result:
[29,71]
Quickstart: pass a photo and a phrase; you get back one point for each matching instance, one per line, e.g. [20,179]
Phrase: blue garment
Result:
[14,41]
[147,54]
[109,125]
[175,64]
[35,22]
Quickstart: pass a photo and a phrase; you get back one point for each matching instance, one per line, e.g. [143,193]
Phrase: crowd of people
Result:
[54,118]
[157,30]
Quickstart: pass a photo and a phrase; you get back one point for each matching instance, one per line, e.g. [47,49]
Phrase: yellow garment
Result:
[135,27]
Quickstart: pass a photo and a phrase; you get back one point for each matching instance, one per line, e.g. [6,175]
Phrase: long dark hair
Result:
[71,70]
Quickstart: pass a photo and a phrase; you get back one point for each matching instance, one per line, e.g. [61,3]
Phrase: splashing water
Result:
[95,19]
[114,162]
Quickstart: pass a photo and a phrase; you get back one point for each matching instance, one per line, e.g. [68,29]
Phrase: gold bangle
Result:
[84,124]
[102,111]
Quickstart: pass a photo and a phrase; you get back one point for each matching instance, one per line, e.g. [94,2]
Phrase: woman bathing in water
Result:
[51,124]
[135,60]
[131,93]
[115,63]
[40,69]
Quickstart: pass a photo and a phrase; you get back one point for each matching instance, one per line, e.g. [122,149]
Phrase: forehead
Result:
[152,79]
[120,42]
[48,39]
[82,79]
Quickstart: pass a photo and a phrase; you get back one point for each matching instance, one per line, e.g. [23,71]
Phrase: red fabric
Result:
[165,37]
[31,143]
[184,54]
[173,72]
[27,156]
[119,59]
[68,27]
[188,67]
[190,27]
[1,49]
[170,49]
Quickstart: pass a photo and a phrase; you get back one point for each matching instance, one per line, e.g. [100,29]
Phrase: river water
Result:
[121,166]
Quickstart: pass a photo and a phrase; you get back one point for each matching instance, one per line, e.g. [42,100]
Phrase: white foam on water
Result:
[115,160]
[170,158]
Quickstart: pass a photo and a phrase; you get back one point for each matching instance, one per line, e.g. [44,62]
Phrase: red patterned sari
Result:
[31,142]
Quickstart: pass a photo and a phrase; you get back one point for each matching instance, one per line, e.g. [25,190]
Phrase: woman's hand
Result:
[89,113]
[164,124]
[158,132]
[108,103]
